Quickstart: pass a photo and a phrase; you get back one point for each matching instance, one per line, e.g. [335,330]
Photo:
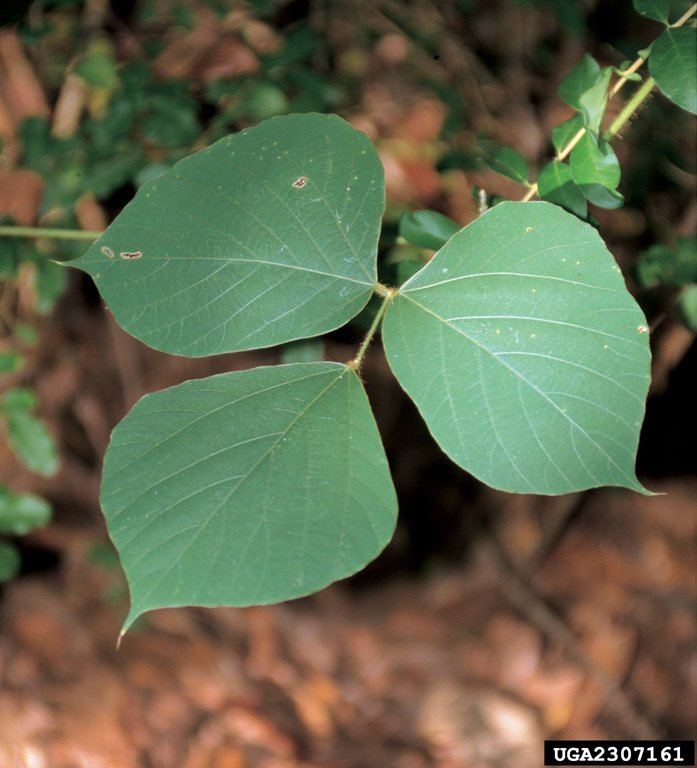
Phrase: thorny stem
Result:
[387,295]
[55,234]
[628,110]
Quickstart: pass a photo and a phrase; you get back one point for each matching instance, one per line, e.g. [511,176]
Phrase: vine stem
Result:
[56,234]
[387,295]
[628,110]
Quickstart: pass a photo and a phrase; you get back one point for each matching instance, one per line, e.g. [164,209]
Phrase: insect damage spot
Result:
[107,251]
[130,255]
[300,182]
[642,329]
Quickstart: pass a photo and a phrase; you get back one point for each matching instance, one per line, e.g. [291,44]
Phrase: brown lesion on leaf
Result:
[300,182]
[130,254]
[107,251]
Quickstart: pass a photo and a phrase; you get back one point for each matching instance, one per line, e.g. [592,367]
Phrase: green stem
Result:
[387,295]
[57,234]
[629,109]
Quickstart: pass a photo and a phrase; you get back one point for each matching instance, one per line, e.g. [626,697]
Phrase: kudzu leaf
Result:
[268,235]
[556,184]
[507,162]
[564,132]
[582,77]
[594,101]
[653,9]
[21,513]
[247,488]
[673,64]
[524,352]
[596,170]
[427,229]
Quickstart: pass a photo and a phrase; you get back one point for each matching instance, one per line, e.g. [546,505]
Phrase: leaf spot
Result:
[130,254]
[300,182]
[528,229]
[642,329]
[107,251]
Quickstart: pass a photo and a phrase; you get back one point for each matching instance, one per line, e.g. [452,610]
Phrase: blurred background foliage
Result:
[98,97]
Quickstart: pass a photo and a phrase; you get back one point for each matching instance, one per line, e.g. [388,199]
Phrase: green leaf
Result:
[507,162]
[247,488]
[525,353]
[21,513]
[687,308]
[673,64]
[661,264]
[10,561]
[597,171]
[653,9]
[427,229]
[266,236]
[10,362]
[564,132]
[17,399]
[594,101]
[32,442]
[582,77]
[51,280]
[556,184]
[303,351]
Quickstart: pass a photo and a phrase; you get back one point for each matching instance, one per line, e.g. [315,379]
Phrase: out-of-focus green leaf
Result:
[22,512]
[50,283]
[299,45]
[28,436]
[17,399]
[661,264]
[563,133]
[505,161]
[582,77]
[673,64]
[596,170]
[10,561]
[427,229]
[10,362]
[687,308]
[556,184]
[303,351]
[594,101]
[98,69]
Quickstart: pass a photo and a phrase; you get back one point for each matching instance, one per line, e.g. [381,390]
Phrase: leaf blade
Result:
[267,236]
[507,339]
[673,64]
[223,491]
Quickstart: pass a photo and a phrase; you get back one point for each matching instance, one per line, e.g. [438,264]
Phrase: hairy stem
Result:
[55,234]
[387,295]
[629,109]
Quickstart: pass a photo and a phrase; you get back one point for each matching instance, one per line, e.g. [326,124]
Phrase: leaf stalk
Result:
[387,295]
